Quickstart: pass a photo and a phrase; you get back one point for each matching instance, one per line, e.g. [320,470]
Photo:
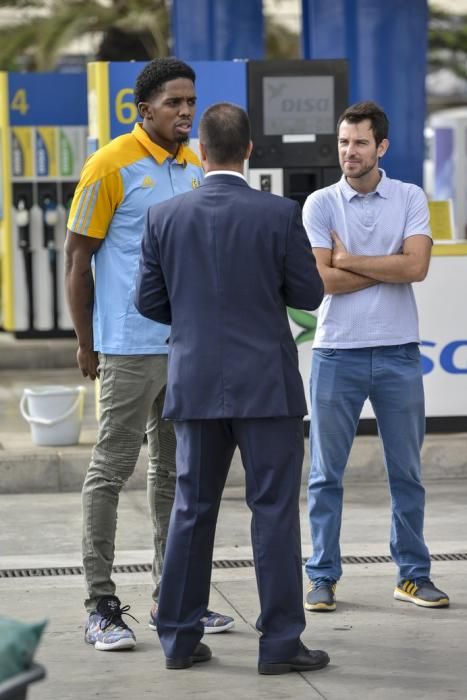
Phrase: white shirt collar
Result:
[225,172]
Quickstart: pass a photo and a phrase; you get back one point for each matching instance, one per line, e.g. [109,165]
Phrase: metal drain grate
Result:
[377,559]
[218,564]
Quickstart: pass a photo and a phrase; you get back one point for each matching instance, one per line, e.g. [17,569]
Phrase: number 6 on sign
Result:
[125,109]
[19,102]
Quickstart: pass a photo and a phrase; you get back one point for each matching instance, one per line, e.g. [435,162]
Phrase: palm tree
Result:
[137,30]
[41,29]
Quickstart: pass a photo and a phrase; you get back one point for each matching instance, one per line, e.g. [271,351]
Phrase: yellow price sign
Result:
[441,219]
[19,102]
[125,109]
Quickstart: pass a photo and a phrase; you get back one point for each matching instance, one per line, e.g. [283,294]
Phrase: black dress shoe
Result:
[305,660]
[201,653]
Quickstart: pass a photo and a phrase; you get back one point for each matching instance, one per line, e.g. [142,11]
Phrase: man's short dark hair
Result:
[367,110]
[158,72]
[224,131]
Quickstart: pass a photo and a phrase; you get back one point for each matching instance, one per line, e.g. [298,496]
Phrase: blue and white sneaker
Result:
[213,622]
[105,628]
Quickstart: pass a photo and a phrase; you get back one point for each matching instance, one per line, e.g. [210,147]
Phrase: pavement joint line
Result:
[234,608]
[308,682]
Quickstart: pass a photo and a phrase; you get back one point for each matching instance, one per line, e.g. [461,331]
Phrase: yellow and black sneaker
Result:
[421,592]
[321,596]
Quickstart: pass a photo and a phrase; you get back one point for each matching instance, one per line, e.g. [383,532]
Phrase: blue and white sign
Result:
[216,81]
[47,99]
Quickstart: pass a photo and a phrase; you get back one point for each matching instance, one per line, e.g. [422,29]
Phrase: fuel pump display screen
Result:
[298,105]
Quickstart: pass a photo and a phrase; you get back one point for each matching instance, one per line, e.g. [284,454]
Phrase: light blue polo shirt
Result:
[117,186]
[372,224]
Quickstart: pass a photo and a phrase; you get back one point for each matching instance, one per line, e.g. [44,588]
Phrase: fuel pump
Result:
[22,261]
[42,150]
[293,108]
[49,222]
[40,275]
[63,209]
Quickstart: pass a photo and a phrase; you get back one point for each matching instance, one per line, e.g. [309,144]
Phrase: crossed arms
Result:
[343,273]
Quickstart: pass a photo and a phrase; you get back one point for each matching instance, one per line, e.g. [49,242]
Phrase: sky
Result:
[289,10]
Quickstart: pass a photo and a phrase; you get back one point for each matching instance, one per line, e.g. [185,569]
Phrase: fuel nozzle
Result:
[50,217]
[23,218]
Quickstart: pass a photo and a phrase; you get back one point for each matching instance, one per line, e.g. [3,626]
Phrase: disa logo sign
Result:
[450,360]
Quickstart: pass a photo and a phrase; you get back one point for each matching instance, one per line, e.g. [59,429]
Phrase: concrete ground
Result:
[380,649]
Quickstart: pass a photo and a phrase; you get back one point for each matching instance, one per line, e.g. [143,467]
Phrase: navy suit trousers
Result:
[272,455]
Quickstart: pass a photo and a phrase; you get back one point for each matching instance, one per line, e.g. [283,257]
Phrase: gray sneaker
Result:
[421,592]
[321,596]
[213,622]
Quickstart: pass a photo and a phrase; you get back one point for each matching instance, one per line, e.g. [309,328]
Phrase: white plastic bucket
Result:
[55,413]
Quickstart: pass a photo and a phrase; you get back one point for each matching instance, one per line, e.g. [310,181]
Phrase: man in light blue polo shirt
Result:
[117,185]
[371,238]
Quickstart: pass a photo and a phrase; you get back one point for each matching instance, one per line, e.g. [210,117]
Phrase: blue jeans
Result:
[391,377]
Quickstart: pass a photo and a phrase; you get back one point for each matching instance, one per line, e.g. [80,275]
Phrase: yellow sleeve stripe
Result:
[85,208]
[77,207]
[94,205]
[91,205]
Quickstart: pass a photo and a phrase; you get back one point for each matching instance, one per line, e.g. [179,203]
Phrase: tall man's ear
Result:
[382,148]
[249,150]
[143,110]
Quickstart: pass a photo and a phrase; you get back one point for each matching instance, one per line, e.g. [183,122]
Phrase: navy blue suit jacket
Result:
[221,264]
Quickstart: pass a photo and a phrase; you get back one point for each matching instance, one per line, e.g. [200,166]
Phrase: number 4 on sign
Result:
[19,102]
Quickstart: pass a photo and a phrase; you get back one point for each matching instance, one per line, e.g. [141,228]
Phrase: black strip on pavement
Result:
[218,564]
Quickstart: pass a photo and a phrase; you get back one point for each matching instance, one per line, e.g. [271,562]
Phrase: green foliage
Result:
[447,42]
[130,30]
[46,27]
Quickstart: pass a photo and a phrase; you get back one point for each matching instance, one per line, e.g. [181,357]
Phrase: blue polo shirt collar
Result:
[382,188]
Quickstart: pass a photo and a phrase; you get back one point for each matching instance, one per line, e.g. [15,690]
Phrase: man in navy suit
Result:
[221,264]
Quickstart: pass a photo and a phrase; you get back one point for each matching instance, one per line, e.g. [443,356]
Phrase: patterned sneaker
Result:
[105,627]
[421,592]
[213,622]
[152,618]
[321,596]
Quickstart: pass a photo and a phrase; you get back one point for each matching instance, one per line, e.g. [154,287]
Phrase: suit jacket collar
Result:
[223,179]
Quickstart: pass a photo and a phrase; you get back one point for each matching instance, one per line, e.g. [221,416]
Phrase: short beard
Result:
[362,173]
[183,140]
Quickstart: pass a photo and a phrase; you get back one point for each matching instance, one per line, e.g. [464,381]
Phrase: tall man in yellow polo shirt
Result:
[127,351]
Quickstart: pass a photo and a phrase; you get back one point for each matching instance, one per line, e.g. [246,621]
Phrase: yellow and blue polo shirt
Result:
[118,184]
